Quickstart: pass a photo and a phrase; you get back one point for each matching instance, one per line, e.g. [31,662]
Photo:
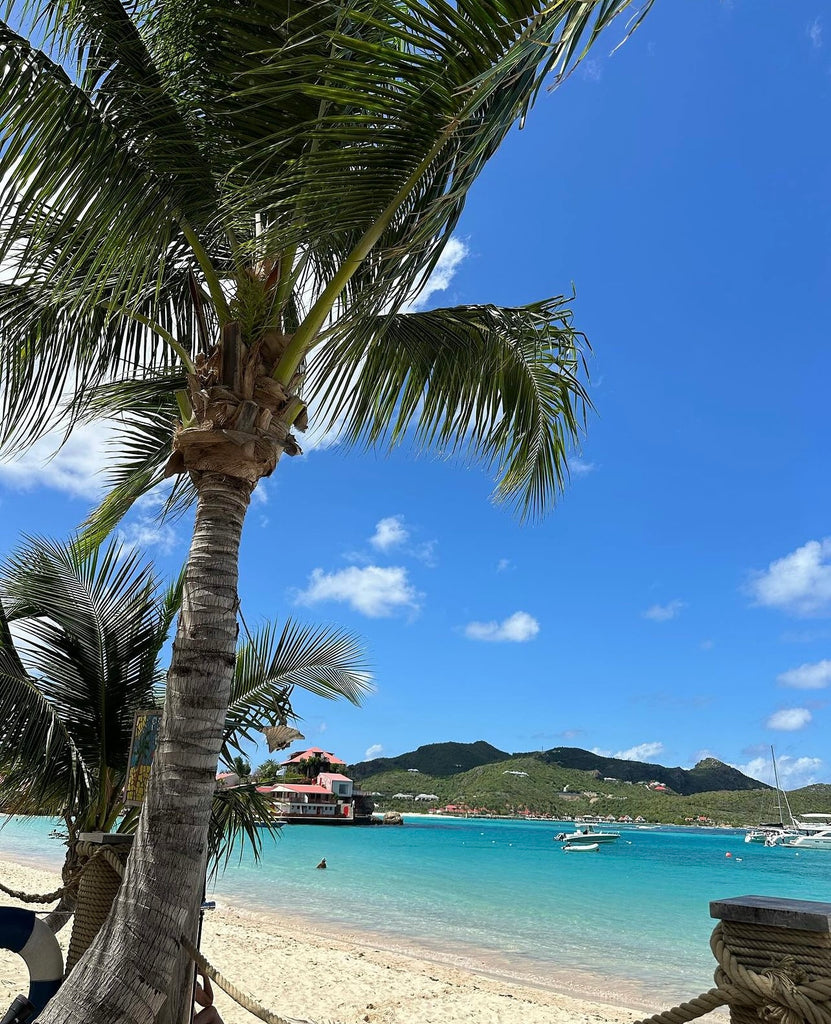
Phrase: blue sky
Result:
[677,603]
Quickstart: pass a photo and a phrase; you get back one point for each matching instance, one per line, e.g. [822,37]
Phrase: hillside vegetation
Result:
[567,781]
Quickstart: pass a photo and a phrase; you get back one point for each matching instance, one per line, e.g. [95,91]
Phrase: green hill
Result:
[440,759]
[567,781]
[445,760]
[707,776]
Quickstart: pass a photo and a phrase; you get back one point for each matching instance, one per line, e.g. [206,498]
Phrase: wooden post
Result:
[768,934]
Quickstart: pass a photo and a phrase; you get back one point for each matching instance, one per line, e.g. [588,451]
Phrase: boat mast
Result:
[780,794]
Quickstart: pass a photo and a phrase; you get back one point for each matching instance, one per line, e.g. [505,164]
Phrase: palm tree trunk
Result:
[135,962]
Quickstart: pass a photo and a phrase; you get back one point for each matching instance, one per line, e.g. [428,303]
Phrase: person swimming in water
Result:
[322,864]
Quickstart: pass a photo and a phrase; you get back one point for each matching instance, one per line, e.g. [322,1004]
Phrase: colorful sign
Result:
[142,748]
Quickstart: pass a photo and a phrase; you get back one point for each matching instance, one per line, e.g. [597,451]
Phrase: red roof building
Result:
[306,755]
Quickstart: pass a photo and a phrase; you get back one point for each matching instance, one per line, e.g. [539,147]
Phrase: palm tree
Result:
[81,635]
[241,767]
[312,766]
[225,206]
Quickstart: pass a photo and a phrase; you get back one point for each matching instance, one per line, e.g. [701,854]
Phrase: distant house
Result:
[509,772]
[327,799]
[307,755]
[426,796]
[403,796]
[416,770]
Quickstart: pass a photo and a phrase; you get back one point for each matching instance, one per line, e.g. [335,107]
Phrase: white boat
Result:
[585,836]
[774,833]
[814,834]
[581,848]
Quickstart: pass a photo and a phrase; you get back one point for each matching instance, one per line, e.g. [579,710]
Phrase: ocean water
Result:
[504,897]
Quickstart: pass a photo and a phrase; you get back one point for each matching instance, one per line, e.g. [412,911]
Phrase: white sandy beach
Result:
[299,971]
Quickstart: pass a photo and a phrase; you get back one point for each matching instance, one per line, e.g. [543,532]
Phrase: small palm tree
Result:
[81,635]
[268,771]
[241,767]
[222,208]
[312,766]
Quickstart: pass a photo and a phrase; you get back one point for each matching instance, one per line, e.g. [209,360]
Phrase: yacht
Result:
[814,833]
[586,835]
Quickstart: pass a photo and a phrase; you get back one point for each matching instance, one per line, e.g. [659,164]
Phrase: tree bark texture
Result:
[126,975]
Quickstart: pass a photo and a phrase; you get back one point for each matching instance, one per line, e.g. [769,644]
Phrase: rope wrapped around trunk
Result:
[793,988]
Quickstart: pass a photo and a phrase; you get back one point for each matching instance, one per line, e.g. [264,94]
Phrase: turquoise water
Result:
[503,895]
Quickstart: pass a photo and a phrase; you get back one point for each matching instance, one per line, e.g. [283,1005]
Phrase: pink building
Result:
[327,800]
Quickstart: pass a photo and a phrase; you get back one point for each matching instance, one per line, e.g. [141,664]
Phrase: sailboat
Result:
[773,833]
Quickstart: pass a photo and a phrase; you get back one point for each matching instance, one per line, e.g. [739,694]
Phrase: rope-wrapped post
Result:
[106,855]
[774,959]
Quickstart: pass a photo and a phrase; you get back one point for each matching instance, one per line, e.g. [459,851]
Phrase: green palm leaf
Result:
[502,383]
[327,662]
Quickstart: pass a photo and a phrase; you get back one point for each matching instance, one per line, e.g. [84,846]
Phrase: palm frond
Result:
[328,662]
[145,416]
[41,767]
[503,384]
[411,103]
[240,817]
[89,629]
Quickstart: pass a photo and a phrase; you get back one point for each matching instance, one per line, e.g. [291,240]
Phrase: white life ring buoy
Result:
[24,933]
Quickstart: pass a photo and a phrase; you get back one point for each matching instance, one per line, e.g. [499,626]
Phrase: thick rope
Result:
[88,850]
[783,993]
[26,897]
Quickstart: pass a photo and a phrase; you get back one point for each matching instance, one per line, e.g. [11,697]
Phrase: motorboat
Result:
[812,841]
[814,833]
[581,848]
[585,835]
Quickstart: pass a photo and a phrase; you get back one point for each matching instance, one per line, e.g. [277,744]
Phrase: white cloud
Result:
[454,252]
[147,534]
[374,751]
[372,590]
[74,469]
[503,564]
[814,33]
[592,69]
[799,583]
[814,676]
[664,612]
[389,533]
[794,772]
[517,628]
[789,719]
[641,752]
[579,467]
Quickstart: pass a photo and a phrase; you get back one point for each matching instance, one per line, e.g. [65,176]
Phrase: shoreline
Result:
[301,967]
